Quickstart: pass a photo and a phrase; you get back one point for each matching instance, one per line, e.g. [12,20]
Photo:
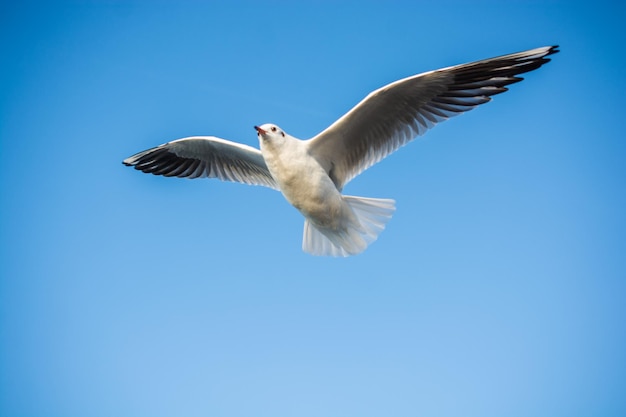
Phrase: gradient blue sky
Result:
[497,289]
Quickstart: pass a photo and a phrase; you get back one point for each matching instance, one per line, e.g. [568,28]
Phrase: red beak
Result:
[261,131]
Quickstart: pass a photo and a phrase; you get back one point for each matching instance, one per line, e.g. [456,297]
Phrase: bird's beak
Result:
[261,131]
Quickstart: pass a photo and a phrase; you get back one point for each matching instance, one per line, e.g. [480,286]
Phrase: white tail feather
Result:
[372,215]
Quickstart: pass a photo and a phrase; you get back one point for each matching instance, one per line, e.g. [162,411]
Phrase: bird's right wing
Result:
[205,157]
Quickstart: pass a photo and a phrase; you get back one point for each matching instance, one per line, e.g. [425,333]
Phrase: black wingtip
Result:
[554,49]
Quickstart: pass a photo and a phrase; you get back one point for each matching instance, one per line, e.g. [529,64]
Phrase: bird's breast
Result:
[305,184]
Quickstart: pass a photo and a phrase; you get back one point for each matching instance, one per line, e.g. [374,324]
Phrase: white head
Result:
[270,132]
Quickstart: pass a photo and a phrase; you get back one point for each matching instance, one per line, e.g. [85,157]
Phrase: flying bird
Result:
[312,173]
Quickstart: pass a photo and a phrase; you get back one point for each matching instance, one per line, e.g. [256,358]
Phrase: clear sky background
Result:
[496,290]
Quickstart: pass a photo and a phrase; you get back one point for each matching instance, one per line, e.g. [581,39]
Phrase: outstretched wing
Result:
[393,115]
[205,157]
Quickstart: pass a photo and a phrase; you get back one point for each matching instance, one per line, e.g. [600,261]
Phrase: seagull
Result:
[312,173]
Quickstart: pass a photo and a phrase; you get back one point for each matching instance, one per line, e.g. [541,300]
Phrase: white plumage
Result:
[311,173]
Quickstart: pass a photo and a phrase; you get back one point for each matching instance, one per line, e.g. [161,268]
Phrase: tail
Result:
[372,214]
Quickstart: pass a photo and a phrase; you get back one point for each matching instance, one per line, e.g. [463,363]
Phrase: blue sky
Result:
[496,290]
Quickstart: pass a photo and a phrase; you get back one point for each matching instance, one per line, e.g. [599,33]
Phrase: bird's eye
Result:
[273,128]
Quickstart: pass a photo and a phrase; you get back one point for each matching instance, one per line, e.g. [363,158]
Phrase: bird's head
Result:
[269,132]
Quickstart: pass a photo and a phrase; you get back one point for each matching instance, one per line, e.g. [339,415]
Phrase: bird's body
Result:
[307,186]
[301,179]
[312,173]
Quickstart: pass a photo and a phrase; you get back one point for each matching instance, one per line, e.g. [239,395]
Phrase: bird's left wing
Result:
[395,114]
[205,157]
